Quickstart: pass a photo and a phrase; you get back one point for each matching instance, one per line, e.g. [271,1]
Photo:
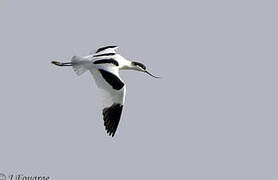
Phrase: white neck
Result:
[125,64]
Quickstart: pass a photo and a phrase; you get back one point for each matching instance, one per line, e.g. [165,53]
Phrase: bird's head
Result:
[141,67]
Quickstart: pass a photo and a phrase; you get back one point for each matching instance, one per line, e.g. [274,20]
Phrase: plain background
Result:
[212,116]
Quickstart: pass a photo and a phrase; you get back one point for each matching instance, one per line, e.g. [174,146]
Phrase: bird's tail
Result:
[78,65]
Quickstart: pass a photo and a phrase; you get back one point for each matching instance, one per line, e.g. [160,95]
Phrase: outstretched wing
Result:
[113,89]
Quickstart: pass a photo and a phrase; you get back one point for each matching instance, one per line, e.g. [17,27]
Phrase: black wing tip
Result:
[105,47]
[111,117]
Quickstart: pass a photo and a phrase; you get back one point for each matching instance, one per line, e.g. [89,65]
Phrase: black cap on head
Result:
[139,64]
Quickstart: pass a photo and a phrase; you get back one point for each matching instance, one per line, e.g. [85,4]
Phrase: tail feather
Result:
[77,65]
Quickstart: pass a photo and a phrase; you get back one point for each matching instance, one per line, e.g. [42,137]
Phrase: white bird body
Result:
[104,64]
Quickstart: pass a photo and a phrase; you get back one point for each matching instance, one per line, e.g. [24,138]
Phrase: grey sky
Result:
[212,116]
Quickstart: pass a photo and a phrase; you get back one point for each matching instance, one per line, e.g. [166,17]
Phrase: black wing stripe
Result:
[105,54]
[105,61]
[103,48]
[112,79]
[111,117]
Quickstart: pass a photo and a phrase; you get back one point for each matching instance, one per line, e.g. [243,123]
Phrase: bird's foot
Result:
[57,63]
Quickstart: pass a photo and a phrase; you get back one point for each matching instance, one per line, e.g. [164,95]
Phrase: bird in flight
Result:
[104,64]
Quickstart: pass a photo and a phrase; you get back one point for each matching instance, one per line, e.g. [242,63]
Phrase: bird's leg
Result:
[61,64]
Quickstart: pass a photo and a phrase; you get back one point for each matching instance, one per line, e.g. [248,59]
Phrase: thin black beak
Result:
[151,74]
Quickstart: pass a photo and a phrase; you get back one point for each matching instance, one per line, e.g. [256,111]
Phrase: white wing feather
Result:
[111,86]
[110,95]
